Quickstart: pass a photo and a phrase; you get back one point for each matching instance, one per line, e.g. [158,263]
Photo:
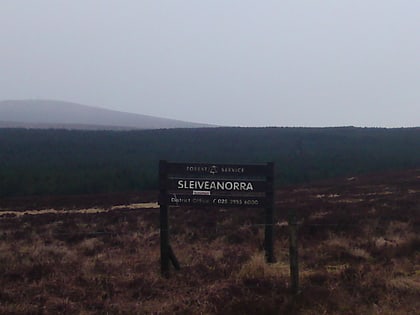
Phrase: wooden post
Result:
[164,241]
[269,217]
[164,222]
[173,258]
[293,253]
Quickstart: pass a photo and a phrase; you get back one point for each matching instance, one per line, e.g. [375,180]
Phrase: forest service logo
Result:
[214,169]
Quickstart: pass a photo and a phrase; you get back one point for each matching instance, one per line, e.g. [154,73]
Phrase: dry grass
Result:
[257,268]
[406,284]
[352,260]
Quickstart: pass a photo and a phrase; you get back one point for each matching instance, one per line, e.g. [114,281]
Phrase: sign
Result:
[214,185]
[222,185]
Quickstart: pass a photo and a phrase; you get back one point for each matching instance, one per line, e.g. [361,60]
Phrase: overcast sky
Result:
[226,62]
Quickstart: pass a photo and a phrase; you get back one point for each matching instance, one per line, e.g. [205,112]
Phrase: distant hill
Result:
[44,114]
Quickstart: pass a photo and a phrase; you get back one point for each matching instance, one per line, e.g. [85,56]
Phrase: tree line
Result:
[43,162]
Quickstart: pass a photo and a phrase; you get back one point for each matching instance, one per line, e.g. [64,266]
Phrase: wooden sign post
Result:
[214,185]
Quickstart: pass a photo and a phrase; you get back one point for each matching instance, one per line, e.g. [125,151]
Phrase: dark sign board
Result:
[223,185]
[214,185]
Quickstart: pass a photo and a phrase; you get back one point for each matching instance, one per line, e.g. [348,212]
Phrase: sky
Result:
[314,63]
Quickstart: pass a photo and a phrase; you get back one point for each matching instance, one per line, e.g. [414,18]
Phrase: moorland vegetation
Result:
[359,253]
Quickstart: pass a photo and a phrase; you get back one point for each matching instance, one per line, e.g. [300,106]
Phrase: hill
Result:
[44,114]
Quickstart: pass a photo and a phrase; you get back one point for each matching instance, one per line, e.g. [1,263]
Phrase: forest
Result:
[62,162]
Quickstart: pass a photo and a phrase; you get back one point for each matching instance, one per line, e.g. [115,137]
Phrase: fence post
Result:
[164,241]
[293,253]
[164,221]
[269,216]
